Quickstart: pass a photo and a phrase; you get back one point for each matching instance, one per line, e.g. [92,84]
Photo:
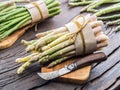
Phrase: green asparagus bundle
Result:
[55,46]
[14,17]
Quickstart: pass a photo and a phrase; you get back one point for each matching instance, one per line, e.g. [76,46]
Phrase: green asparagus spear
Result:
[109,17]
[107,10]
[26,43]
[23,67]
[115,22]
[56,55]
[58,47]
[57,41]
[62,58]
[58,61]
[46,41]
[117,29]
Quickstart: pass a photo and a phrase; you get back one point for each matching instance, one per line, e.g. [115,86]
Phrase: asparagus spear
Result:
[116,16]
[57,41]
[47,58]
[46,41]
[22,1]
[110,9]
[58,47]
[26,43]
[58,61]
[23,67]
[80,3]
[114,22]
[117,29]
[91,8]
[61,59]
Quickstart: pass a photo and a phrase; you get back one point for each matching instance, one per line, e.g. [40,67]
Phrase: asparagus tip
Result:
[18,60]
[20,70]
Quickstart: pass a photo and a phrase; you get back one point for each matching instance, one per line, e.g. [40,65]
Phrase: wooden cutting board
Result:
[10,40]
[78,77]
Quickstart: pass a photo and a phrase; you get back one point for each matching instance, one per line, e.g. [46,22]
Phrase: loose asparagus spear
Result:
[23,67]
[91,8]
[116,16]
[110,9]
[115,22]
[117,29]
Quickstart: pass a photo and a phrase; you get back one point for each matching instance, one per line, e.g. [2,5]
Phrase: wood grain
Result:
[106,72]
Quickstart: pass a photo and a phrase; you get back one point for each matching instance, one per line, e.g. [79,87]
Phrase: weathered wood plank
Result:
[58,86]
[116,85]
[106,80]
[9,80]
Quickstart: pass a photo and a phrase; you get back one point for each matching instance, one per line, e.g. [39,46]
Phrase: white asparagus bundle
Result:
[55,46]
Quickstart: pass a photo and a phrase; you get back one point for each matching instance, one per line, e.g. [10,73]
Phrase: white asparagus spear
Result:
[97,29]
[103,44]
[101,38]
[96,23]
[58,30]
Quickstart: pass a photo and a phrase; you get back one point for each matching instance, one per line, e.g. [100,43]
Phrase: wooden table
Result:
[105,75]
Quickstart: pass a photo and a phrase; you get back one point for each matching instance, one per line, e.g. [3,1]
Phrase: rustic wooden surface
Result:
[104,76]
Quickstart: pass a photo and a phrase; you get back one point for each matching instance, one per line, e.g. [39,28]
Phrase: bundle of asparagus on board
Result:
[114,5]
[14,17]
[57,45]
